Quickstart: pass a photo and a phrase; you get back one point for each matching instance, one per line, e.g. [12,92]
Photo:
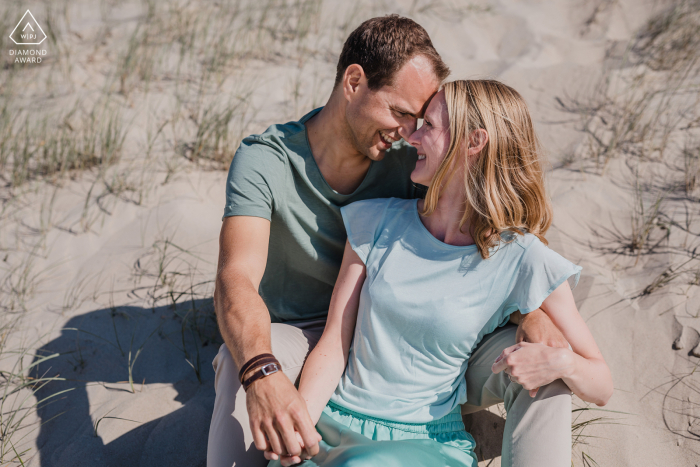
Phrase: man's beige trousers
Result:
[537,431]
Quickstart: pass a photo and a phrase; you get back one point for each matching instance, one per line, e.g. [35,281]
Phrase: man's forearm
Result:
[243,318]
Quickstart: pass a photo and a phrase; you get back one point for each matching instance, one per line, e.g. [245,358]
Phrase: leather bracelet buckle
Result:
[269,369]
[265,370]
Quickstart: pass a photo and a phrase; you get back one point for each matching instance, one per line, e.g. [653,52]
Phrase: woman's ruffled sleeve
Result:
[362,221]
[541,271]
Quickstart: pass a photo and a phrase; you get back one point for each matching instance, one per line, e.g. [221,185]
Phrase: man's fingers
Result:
[259,439]
[289,438]
[271,456]
[309,436]
[533,392]
[274,440]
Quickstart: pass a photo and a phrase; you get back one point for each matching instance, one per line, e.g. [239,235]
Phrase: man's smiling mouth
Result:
[386,139]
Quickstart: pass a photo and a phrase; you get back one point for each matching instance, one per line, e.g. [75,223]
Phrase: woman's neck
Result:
[443,223]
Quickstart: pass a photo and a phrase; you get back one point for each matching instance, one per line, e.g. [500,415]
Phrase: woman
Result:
[422,281]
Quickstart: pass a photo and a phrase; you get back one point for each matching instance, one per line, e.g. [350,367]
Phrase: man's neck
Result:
[341,165]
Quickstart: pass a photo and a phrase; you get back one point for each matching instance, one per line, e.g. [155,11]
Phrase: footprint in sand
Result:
[688,337]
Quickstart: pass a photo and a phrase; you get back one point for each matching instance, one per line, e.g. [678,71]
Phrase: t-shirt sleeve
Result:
[362,221]
[541,271]
[253,171]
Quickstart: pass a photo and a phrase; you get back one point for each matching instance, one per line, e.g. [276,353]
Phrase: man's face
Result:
[378,118]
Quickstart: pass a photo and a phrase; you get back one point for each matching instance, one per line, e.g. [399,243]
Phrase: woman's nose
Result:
[414,138]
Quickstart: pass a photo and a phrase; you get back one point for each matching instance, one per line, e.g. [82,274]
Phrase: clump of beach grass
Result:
[52,147]
[648,95]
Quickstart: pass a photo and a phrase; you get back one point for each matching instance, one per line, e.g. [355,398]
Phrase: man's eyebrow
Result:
[404,111]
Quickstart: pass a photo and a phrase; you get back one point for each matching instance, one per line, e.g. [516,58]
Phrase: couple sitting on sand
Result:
[403,296]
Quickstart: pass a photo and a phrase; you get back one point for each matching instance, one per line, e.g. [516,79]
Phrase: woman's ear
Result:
[477,141]
[353,77]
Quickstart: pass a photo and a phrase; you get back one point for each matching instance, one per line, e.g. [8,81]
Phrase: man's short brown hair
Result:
[381,46]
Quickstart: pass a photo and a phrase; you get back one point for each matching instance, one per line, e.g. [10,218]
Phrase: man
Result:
[282,240]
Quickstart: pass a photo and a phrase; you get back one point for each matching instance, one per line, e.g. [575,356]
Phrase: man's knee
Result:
[224,367]
[553,389]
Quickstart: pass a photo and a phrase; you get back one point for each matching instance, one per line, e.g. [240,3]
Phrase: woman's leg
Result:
[538,430]
[230,438]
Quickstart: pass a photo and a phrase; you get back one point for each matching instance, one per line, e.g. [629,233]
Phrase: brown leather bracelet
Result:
[261,362]
[249,364]
[265,370]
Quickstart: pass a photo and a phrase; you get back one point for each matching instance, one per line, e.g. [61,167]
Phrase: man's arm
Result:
[536,327]
[275,408]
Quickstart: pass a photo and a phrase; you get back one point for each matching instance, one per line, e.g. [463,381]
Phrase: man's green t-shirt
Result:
[274,176]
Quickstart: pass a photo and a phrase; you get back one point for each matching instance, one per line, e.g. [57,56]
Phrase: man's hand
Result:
[536,328]
[277,415]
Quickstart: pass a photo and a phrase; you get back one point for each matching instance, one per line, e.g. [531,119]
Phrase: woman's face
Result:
[431,140]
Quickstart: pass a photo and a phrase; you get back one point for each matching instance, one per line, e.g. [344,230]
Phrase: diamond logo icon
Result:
[28,31]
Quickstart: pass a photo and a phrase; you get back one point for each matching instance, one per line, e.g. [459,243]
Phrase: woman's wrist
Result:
[566,363]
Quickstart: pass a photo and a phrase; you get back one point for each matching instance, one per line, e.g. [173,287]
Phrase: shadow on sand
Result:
[170,345]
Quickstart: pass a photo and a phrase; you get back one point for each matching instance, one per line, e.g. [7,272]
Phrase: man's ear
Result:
[353,79]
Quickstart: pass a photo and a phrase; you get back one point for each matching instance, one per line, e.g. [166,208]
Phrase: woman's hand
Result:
[534,365]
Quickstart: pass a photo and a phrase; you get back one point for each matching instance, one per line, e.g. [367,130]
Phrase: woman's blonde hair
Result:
[504,183]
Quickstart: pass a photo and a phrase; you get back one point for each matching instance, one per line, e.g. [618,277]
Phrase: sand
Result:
[124,280]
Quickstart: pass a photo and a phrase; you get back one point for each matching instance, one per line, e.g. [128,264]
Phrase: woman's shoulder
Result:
[525,240]
[520,245]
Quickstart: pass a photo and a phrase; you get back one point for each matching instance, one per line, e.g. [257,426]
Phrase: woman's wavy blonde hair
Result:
[504,183]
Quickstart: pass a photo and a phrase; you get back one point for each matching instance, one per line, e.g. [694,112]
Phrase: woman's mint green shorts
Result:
[351,439]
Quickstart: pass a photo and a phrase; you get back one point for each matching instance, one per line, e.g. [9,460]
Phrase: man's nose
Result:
[405,131]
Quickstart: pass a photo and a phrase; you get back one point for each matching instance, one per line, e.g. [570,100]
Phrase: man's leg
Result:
[230,439]
[538,430]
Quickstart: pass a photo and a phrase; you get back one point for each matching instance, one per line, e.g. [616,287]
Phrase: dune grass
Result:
[18,403]
[644,110]
[51,146]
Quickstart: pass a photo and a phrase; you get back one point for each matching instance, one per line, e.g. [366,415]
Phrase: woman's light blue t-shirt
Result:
[425,305]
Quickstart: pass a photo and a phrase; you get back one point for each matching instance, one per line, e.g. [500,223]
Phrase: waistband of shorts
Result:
[449,423]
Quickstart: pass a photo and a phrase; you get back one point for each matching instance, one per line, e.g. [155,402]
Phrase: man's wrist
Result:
[269,368]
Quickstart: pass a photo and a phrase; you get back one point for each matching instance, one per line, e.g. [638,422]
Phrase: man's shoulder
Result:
[270,150]
[274,141]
